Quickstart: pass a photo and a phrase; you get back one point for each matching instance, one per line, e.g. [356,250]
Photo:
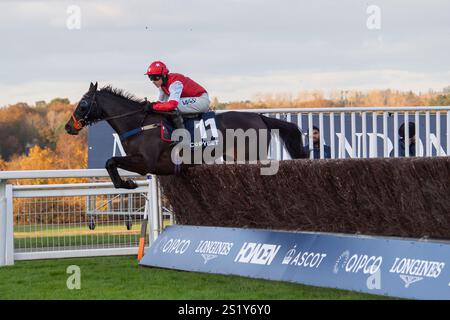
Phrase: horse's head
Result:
[86,112]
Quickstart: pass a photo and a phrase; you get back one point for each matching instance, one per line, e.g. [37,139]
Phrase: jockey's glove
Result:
[148,107]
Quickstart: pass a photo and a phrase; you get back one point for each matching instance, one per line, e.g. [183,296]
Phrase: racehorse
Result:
[146,152]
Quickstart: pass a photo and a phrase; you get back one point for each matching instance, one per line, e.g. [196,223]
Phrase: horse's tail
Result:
[291,135]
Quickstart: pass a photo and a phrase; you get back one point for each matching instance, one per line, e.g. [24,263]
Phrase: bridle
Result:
[84,121]
[80,123]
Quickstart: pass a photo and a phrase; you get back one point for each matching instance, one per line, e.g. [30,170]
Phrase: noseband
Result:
[80,123]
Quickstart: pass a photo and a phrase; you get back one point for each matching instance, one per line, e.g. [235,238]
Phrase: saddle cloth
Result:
[201,127]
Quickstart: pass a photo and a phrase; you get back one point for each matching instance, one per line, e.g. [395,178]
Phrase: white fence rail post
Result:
[3,222]
[9,249]
[6,225]
[154,224]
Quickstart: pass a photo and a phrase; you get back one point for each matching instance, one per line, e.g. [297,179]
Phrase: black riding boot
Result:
[178,120]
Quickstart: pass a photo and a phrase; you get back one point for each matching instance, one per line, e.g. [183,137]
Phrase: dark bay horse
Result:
[146,151]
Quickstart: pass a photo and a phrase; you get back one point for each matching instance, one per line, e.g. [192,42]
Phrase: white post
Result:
[3,222]
[417,121]
[406,126]
[427,134]
[286,155]
[438,133]
[342,152]
[154,224]
[310,135]
[374,142]
[385,135]
[9,249]
[322,139]
[396,134]
[160,214]
[6,225]
[353,130]
[332,133]
[364,134]
[147,209]
[278,146]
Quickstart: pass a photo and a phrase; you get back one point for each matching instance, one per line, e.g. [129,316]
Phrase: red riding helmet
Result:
[157,68]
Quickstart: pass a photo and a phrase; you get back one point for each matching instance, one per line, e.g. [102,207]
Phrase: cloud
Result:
[234,48]
[238,88]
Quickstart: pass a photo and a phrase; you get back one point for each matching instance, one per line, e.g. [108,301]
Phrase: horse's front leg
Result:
[130,163]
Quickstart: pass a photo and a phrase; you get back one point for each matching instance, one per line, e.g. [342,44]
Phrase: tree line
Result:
[33,137]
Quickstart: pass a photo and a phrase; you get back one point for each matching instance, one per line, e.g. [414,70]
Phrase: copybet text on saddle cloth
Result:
[251,147]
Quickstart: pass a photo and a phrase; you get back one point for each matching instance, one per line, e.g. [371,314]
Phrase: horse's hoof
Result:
[130,184]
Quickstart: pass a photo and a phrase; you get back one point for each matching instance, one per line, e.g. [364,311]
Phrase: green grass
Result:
[61,228]
[49,236]
[122,278]
[69,241]
[76,236]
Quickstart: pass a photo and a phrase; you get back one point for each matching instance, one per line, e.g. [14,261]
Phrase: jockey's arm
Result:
[175,91]
[163,97]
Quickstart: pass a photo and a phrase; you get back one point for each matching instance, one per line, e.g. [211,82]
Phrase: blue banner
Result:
[377,265]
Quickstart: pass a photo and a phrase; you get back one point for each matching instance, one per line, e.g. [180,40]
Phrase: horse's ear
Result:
[95,86]
[91,86]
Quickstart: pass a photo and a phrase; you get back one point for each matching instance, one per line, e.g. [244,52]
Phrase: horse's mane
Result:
[121,94]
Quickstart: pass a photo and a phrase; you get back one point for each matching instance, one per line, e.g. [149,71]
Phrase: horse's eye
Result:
[83,105]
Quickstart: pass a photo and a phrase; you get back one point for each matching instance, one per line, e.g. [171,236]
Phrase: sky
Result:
[236,49]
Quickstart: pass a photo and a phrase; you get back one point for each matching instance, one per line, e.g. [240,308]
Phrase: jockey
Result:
[176,93]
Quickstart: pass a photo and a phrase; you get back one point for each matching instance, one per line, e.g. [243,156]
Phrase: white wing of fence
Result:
[73,220]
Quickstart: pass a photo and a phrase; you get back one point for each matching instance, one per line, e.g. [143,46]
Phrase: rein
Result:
[122,115]
[80,123]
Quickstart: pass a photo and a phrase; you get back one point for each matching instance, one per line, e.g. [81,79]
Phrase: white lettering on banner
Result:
[257,253]
[365,263]
[414,270]
[176,246]
[357,263]
[212,249]
[346,147]
[159,243]
[341,261]
[304,259]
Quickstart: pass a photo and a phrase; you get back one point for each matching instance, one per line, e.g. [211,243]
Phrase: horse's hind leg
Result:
[129,163]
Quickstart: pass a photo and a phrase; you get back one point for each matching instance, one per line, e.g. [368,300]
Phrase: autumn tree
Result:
[19,129]
[72,152]
[440,100]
